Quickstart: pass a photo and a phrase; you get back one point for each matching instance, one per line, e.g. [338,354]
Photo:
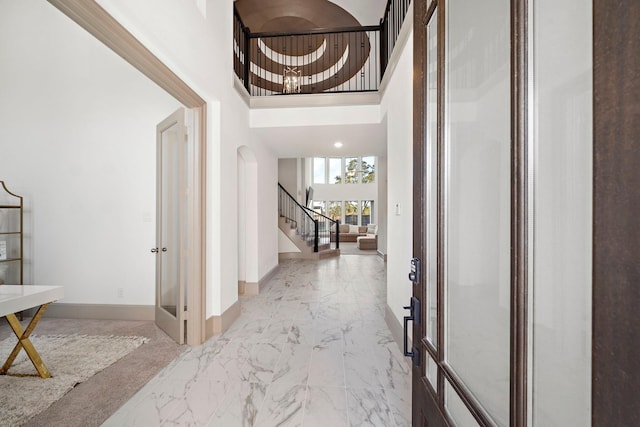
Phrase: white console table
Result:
[15,298]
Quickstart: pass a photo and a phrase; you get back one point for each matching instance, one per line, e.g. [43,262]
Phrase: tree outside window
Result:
[351,170]
[351,212]
[335,170]
[367,212]
[335,210]
[368,168]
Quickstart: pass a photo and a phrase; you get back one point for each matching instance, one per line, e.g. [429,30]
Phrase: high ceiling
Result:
[302,15]
[309,141]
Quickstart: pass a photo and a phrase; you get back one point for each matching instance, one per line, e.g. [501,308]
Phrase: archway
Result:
[248,211]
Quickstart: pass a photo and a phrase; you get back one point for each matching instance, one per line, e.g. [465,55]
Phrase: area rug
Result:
[71,359]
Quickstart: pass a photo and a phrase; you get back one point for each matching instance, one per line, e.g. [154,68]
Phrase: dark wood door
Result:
[469,222]
[442,391]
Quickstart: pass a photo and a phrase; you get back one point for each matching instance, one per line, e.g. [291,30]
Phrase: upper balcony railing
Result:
[317,61]
[390,26]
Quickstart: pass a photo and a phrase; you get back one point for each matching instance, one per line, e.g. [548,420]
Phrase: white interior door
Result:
[171,233]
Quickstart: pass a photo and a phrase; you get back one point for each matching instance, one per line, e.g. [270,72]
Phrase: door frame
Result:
[616,223]
[95,20]
[616,201]
[519,304]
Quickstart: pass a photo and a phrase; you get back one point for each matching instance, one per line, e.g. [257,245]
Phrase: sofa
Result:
[368,235]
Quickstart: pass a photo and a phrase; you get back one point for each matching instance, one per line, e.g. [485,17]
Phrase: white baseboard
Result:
[397,329]
[268,276]
[215,325]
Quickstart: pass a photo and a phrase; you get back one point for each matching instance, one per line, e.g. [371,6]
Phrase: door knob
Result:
[164,249]
[154,250]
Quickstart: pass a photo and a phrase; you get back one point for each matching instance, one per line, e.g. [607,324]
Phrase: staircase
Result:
[309,231]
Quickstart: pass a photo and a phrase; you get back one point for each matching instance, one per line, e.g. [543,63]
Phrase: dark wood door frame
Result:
[616,213]
[431,409]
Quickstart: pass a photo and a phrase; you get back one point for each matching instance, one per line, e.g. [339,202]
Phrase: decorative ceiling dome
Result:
[324,57]
[286,16]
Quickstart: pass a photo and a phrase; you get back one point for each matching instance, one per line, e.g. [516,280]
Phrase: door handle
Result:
[414,316]
[154,250]
[164,249]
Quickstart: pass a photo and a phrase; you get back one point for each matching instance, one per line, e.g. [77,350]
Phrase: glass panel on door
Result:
[170,228]
[562,285]
[170,244]
[431,181]
[477,207]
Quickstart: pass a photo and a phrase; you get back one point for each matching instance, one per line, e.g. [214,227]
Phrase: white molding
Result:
[326,99]
[242,91]
[397,330]
[215,325]
[268,276]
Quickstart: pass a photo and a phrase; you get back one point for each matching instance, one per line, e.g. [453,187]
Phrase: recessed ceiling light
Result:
[338,144]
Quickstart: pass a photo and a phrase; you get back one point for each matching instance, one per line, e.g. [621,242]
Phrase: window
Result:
[351,212]
[319,170]
[368,168]
[319,207]
[335,210]
[335,170]
[351,170]
[354,170]
[367,212]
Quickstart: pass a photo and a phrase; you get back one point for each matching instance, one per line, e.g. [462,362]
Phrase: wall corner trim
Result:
[215,325]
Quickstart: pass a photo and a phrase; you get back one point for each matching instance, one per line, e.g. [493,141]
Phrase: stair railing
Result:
[313,227]
[328,228]
[293,212]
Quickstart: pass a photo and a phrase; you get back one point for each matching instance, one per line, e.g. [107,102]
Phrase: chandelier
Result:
[291,80]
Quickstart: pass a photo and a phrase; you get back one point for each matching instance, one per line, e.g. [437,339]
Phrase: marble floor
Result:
[312,349]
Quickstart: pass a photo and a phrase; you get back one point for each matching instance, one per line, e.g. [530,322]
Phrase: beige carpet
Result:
[71,359]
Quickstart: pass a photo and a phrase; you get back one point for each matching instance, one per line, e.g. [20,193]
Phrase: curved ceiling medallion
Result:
[325,61]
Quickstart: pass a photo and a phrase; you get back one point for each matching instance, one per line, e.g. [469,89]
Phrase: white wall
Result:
[288,175]
[315,116]
[345,191]
[285,245]
[78,142]
[382,209]
[198,48]
[398,109]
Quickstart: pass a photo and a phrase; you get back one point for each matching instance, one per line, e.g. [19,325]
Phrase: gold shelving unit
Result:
[11,237]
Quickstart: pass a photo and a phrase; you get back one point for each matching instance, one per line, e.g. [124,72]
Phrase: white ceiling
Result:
[367,12]
[309,141]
